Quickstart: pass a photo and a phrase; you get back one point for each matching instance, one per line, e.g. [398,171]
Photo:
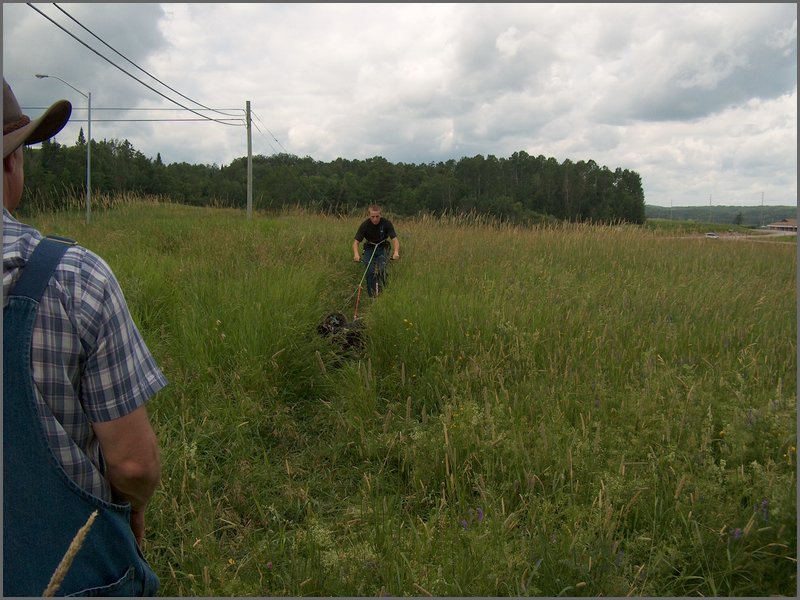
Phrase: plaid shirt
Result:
[90,363]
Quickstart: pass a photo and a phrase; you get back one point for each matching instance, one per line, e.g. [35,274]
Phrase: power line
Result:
[133,63]
[159,109]
[300,181]
[140,120]
[126,72]
[75,109]
[132,109]
[265,137]
[231,121]
[120,108]
[272,134]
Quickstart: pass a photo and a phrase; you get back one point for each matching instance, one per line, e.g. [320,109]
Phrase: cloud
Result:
[689,64]
[35,45]
[698,98]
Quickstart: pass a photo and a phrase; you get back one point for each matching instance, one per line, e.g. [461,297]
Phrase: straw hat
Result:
[19,129]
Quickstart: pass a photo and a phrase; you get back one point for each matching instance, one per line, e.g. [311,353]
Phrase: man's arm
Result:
[356,254]
[395,248]
[133,463]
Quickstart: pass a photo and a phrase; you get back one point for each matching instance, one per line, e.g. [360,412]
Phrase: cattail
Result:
[679,489]
[320,362]
[66,562]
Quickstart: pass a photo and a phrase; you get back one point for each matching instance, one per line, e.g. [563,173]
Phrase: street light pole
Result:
[88,97]
[89,159]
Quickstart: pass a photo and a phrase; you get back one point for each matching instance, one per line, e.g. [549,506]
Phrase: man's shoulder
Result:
[90,263]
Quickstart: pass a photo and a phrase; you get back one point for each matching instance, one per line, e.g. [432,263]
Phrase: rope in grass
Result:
[363,276]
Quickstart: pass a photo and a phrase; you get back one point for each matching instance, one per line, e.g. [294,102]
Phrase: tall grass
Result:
[568,410]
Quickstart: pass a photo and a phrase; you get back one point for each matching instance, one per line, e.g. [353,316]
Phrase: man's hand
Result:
[133,463]
[137,525]
[396,256]
[356,258]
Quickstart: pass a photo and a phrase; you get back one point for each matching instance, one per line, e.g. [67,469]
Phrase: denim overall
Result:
[42,507]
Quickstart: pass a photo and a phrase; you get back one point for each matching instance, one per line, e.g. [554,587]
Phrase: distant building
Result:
[784,225]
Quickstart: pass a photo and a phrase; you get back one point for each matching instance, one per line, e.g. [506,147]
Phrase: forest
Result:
[518,189]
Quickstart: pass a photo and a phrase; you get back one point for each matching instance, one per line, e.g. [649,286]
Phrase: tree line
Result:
[746,216]
[520,189]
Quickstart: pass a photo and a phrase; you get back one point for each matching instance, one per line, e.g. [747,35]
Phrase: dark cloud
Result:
[131,29]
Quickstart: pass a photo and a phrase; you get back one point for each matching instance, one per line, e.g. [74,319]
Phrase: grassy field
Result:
[574,411]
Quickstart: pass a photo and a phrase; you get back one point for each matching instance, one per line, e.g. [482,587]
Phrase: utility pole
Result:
[249,165]
[88,96]
[89,160]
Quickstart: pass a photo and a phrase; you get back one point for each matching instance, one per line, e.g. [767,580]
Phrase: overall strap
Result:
[40,266]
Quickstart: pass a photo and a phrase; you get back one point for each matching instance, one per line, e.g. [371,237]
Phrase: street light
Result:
[88,97]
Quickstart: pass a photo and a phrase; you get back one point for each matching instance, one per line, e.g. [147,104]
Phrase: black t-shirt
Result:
[379,234]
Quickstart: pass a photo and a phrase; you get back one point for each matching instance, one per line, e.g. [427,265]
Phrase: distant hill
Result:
[749,216]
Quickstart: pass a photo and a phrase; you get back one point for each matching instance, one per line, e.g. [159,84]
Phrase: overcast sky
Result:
[699,99]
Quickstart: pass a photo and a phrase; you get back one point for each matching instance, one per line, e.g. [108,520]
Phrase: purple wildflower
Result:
[737,533]
[480,513]
[765,509]
[464,523]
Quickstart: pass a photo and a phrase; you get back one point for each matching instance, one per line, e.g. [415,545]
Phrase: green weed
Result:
[565,410]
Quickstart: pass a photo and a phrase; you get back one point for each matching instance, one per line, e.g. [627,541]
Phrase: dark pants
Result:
[376,257]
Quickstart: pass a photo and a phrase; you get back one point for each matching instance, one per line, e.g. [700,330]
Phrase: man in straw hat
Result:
[77,438]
